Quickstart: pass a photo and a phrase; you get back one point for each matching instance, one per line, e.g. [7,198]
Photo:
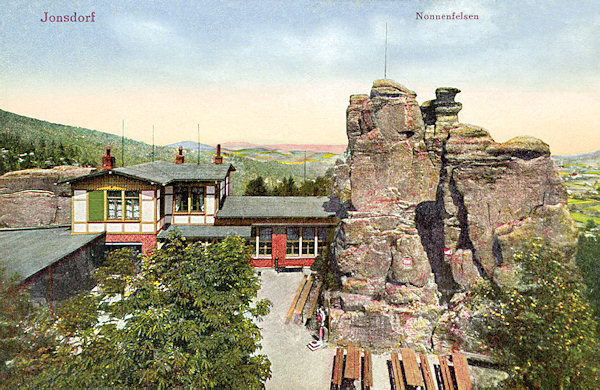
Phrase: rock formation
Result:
[31,197]
[437,205]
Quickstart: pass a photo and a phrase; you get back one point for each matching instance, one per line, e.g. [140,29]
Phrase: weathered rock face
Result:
[32,198]
[439,205]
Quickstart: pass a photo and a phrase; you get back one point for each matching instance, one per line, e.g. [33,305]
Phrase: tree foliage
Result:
[542,330]
[588,261]
[24,338]
[187,319]
[288,187]
[256,187]
[17,153]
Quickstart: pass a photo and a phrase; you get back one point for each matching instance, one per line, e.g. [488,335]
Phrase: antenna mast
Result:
[152,143]
[123,142]
[198,143]
[305,166]
[385,56]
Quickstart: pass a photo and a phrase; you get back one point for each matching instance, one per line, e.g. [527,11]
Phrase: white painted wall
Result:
[132,227]
[210,204]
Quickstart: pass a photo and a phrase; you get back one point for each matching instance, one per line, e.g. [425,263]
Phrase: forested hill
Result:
[33,143]
[30,143]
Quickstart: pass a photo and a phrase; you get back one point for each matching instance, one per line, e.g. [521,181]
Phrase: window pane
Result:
[265,234]
[308,234]
[115,208]
[264,248]
[132,208]
[292,234]
[197,198]
[114,204]
[181,199]
[293,243]
[132,204]
[323,233]
[308,248]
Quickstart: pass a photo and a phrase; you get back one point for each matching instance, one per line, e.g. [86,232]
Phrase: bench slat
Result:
[368,369]
[446,376]
[290,312]
[411,367]
[397,372]
[461,370]
[352,363]
[338,366]
[427,375]
[313,301]
[304,296]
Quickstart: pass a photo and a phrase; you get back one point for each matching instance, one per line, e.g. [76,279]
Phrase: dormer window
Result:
[189,199]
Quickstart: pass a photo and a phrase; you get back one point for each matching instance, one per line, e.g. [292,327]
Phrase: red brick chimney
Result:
[180,157]
[108,161]
[218,157]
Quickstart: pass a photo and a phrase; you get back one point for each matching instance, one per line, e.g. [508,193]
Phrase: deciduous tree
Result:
[543,330]
[187,319]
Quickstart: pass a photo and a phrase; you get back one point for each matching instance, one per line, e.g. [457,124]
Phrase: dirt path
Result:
[293,365]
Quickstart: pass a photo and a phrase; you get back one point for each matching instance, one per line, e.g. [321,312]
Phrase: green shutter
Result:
[96,206]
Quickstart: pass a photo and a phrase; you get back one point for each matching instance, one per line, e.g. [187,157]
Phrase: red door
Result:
[279,249]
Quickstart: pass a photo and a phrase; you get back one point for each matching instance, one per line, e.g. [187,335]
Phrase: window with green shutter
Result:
[96,206]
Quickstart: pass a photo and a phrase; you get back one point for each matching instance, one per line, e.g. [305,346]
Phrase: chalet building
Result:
[139,206]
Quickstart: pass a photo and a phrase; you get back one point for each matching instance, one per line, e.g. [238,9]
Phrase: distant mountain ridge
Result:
[335,149]
[191,145]
[595,154]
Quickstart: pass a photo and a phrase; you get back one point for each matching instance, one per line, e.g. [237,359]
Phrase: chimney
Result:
[218,157]
[108,161]
[179,158]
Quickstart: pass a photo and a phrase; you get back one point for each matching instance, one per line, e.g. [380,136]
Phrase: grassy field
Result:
[582,179]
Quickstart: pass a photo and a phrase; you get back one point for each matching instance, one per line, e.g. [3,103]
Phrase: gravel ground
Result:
[293,365]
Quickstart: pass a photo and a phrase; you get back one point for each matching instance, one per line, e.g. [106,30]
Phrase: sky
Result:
[282,71]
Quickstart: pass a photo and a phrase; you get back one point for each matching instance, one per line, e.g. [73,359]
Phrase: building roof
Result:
[164,173]
[26,251]
[206,231]
[275,207]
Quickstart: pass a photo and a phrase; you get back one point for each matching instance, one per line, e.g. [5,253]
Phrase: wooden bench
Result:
[303,298]
[398,380]
[313,301]
[290,312]
[461,371]
[338,368]
[367,370]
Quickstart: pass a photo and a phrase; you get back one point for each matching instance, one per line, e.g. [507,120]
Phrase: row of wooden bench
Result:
[300,299]
[348,367]
[406,370]
[426,374]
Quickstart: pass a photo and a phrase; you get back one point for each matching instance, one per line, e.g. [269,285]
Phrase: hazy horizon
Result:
[281,72]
